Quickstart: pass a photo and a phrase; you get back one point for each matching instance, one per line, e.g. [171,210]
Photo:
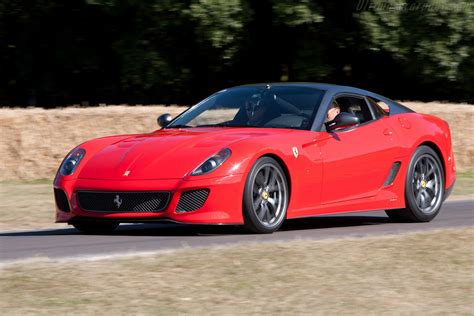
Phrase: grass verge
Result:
[30,204]
[27,205]
[464,186]
[420,273]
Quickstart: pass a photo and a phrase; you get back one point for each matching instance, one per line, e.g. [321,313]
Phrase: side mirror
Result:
[164,119]
[342,120]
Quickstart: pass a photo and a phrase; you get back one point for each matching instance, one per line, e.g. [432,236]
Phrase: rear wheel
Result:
[91,227]
[424,188]
[265,200]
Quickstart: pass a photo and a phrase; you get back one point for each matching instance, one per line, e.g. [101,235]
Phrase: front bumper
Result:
[222,206]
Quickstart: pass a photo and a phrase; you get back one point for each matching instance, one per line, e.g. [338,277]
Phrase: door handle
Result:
[387,132]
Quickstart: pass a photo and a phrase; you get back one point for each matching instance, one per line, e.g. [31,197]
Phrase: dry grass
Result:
[34,141]
[422,273]
[27,205]
[461,122]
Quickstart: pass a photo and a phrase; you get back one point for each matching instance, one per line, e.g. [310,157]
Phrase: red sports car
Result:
[256,155]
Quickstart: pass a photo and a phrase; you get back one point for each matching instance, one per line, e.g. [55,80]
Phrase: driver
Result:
[256,110]
[333,111]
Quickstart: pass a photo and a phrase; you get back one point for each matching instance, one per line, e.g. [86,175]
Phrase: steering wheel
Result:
[289,107]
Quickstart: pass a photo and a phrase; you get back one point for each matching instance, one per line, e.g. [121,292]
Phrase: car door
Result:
[357,161]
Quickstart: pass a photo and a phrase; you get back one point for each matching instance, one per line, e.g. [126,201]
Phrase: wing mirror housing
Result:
[342,120]
[164,119]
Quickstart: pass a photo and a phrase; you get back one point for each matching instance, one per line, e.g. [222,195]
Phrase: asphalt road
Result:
[64,243]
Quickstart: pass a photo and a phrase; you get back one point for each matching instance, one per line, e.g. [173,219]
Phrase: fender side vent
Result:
[192,200]
[393,173]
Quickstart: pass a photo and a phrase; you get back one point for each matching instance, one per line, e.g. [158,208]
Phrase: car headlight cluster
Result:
[212,163]
[71,162]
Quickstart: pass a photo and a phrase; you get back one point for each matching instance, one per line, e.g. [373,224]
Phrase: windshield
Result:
[256,106]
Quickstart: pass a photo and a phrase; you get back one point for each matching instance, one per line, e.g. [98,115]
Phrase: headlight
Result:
[212,162]
[71,162]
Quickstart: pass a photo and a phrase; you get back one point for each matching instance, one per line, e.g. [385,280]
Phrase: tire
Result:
[91,227]
[424,188]
[266,196]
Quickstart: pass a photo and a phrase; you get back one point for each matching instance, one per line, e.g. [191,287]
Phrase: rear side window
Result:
[355,106]
[377,107]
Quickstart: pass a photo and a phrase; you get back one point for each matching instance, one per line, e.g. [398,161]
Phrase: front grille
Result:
[121,202]
[192,200]
[61,200]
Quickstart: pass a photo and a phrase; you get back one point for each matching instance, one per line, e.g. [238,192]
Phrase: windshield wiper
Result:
[242,125]
[226,125]
[179,126]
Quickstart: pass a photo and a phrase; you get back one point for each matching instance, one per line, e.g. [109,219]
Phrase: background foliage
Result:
[56,52]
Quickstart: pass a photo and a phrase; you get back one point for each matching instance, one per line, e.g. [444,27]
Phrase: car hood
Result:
[165,154]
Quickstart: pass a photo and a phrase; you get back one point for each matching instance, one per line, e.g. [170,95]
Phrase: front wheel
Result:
[91,227]
[424,188]
[266,195]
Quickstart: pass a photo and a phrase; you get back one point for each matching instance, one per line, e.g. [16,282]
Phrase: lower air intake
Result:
[192,200]
[61,200]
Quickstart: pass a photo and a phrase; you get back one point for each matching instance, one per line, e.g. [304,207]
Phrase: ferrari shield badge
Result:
[295,152]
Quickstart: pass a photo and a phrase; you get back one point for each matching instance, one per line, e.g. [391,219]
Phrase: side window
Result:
[378,107]
[356,106]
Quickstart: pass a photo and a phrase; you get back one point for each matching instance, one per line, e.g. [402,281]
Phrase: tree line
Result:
[56,52]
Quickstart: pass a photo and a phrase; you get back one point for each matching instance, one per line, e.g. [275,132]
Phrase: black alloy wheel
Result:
[424,188]
[266,196]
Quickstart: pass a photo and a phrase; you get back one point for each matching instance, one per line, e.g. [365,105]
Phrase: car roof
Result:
[395,107]
[315,85]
